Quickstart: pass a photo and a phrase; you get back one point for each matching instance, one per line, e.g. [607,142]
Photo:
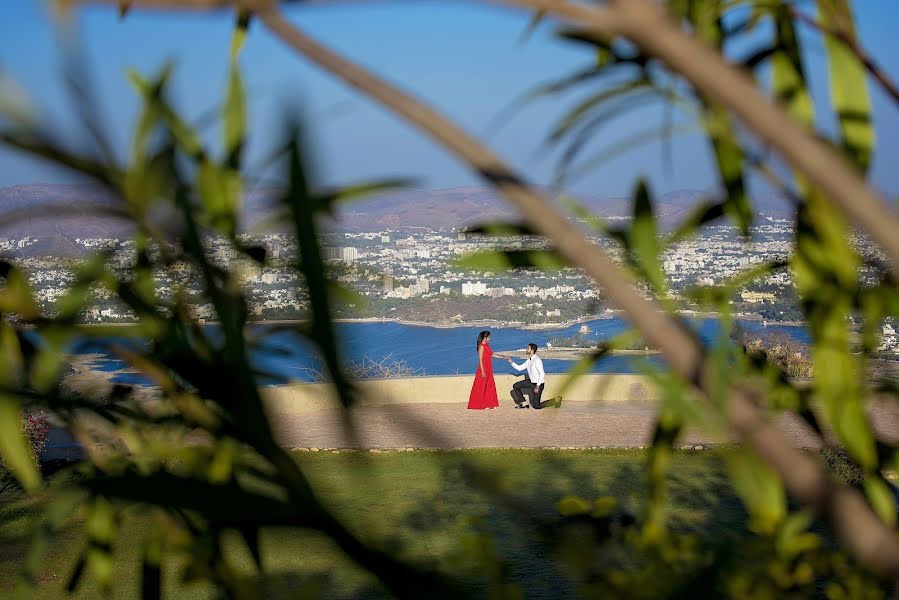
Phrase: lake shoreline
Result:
[486,323]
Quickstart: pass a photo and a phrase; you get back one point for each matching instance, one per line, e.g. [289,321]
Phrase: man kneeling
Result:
[533,383]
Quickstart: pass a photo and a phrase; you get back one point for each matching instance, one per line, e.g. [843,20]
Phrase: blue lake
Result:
[435,351]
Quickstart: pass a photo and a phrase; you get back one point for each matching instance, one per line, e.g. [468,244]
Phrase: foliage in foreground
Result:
[501,521]
[201,463]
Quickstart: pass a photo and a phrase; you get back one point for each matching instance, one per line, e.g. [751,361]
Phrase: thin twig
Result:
[852,44]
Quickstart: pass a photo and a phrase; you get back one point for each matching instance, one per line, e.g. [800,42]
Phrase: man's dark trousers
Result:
[523,388]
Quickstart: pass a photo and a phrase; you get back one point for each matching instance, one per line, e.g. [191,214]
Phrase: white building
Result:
[474,289]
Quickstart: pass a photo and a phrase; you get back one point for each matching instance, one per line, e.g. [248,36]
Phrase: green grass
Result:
[423,505]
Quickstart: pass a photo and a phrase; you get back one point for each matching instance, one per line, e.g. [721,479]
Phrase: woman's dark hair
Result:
[481,337]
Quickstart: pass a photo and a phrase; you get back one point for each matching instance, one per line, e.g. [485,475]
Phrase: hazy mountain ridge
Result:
[57,214]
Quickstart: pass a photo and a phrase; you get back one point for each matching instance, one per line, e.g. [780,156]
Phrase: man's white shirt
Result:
[534,365]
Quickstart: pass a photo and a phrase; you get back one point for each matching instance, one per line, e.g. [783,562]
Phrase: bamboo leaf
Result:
[360,191]
[849,92]
[617,149]
[47,366]
[583,214]
[222,466]
[504,260]
[501,229]
[11,360]
[760,488]
[576,115]
[534,22]
[706,212]
[582,367]
[311,265]
[573,505]
[731,161]
[15,104]
[881,499]
[240,33]
[643,239]
[234,118]
[16,296]
[101,527]
[220,189]
[58,511]
[788,79]
[15,448]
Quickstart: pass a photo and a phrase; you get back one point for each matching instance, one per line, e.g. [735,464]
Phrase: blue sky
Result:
[467,59]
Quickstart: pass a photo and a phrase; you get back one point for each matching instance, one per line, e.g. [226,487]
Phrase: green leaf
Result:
[881,499]
[11,360]
[50,359]
[705,212]
[576,115]
[14,445]
[15,104]
[707,20]
[183,134]
[222,465]
[341,294]
[587,127]
[760,488]
[234,118]
[504,260]
[220,189]
[825,269]
[76,298]
[718,295]
[581,367]
[611,151]
[311,266]
[350,193]
[573,505]
[501,229]
[16,296]
[849,93]
[101,522]
[730,161]
[793,537]
[788,79]
[534,22]
[240,32]
[584,215]
[643,239]
[60,509]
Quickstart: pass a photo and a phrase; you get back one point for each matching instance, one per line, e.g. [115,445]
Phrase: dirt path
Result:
[574,425]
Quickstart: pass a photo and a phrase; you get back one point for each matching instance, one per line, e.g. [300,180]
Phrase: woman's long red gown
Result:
[483,390]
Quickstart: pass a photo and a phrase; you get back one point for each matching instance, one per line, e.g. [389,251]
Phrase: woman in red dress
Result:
[483,390]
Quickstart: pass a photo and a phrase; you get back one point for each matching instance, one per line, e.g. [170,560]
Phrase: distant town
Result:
[412,276]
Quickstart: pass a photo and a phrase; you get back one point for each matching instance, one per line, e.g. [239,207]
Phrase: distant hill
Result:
[59,213]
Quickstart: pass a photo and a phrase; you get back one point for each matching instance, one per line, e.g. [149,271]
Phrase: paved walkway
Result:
[574,425]
[451,425]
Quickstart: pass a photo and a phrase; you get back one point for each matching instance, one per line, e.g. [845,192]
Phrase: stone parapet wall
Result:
[604,388]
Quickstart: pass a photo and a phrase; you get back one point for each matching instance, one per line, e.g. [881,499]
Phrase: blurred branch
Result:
[852,44]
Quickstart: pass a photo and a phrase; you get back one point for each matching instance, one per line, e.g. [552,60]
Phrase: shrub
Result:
[36,428]
[370,368]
